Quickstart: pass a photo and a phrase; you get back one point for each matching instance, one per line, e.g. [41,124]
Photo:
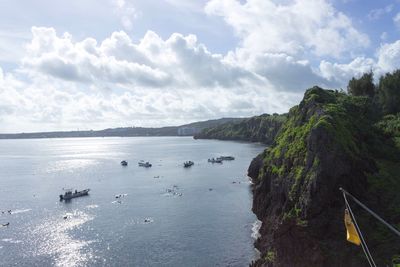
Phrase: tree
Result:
[364,86]
[389,92]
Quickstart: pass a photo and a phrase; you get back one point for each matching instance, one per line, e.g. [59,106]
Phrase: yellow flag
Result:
[352,235]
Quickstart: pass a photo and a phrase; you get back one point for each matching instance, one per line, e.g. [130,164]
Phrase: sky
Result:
[94,64]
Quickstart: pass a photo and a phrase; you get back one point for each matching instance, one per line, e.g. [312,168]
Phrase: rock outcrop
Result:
[329,140]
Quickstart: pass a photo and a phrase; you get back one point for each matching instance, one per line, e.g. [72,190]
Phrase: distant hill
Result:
[261,128]
[183,130]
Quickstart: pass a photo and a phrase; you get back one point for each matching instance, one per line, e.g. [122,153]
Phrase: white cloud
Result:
[50,104]
[64,84]
[127,13]
[179,61]
[342,73]
[292,27]
[285,72]
[389,56]
[387,60]
[11,44]
[376,14]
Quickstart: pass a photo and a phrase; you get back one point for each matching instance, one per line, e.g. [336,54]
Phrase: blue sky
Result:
[95,64]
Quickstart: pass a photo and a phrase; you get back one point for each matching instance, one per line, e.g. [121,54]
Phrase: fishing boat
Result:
[213,160]
[69,194]
[188,164]
[226,158]
[144,164]
[124,163]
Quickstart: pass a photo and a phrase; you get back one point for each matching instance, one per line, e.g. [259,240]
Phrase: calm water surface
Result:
[190,226]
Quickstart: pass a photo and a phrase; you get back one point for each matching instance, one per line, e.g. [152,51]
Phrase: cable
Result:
[397,232]
[363,243]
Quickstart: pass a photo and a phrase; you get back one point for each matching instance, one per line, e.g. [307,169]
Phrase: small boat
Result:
[188,164]
[213,160]
[226,158]
[124,163]
[144,164]
[69,194]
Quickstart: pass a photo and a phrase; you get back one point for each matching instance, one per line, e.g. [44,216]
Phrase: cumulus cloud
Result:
[55,104]
[341,73]
[283,48]
[389,56]
[64,84]
[86,61]
[292,27]
[285,72]
[180,61]
[387,60]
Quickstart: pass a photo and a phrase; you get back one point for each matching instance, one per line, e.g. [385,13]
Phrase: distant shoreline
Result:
[72,137]
[190,129]
[94,136]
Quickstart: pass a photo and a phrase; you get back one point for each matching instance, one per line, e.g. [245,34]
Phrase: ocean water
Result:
[167,215]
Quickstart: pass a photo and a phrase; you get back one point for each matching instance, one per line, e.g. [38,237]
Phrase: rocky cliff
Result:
[329,140]
[261,128]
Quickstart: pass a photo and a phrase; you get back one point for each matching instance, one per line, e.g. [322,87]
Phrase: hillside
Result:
[329,140]
[255,129]
[183,130]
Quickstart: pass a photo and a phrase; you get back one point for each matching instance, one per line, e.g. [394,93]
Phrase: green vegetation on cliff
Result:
[329,140]
[255,129]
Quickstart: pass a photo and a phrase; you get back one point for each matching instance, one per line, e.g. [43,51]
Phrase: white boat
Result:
[144,164]
[69,194]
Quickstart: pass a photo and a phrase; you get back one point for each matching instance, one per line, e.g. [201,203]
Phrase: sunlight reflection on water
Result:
[70,164]
[54,238]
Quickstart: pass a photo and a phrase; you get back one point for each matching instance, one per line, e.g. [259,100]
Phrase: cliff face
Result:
[329,140]
[262,128]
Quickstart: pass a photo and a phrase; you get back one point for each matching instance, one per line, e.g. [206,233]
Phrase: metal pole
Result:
[363,243]
[371,212]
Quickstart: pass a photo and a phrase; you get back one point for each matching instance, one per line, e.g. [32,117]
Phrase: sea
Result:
[166,215]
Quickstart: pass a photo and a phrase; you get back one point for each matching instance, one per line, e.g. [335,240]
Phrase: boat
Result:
[188,164]
[124,163]
[144,164]
[69,194]
[226,158]
[213,160]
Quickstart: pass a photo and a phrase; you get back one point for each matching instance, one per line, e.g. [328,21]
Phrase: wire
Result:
[363,243]
[397,232]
